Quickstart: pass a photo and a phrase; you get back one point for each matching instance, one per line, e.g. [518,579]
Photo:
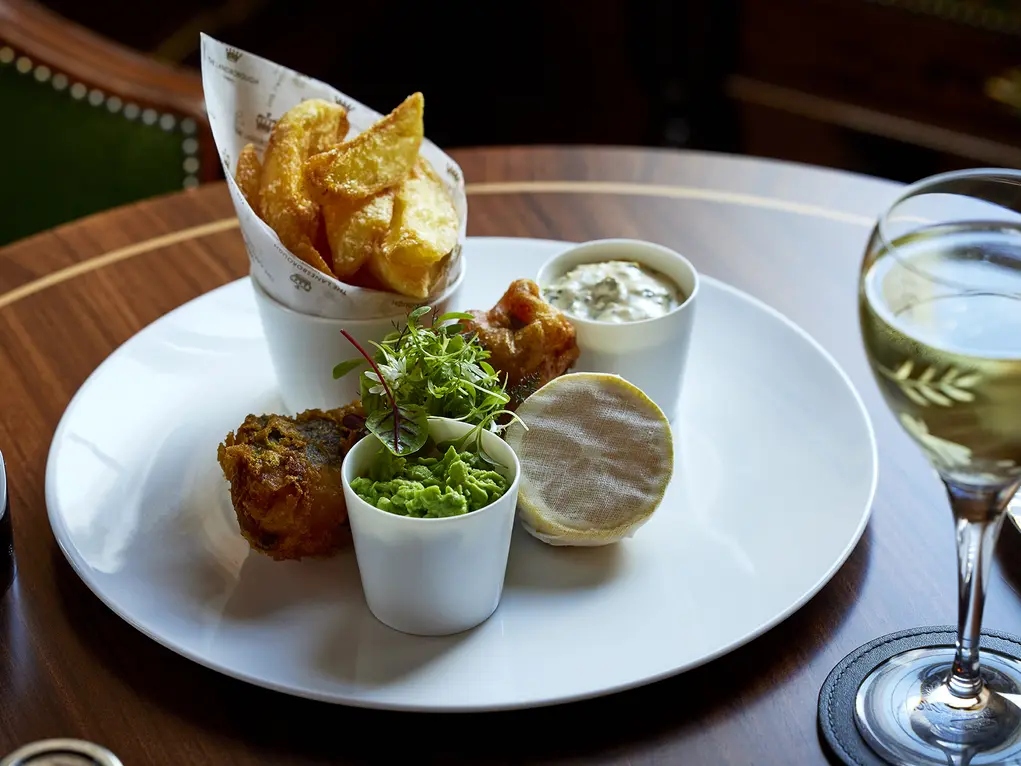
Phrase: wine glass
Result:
[940,311]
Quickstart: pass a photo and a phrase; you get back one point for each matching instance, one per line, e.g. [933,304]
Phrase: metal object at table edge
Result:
[8,566]
[61,752]
[1013,512]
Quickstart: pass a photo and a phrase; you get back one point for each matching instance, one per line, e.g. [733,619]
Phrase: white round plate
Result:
[776,467]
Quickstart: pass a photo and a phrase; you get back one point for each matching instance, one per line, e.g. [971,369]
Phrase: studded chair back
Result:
[88,125]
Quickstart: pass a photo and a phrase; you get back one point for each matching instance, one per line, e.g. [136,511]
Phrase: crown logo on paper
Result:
[300,283]
[452,172]
[348,106]
[264,122]
[233,54]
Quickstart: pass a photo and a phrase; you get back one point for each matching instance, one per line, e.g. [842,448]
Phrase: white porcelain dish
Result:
[433,577]
[651,353]
[773,483]
[304,348]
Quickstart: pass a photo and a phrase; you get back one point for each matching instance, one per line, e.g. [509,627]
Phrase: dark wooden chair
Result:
[86,124]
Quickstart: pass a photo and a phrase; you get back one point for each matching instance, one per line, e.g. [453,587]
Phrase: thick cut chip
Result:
[285,199]
[356,230]
[413,281]
[424,226]
[596,459]
[374,160]
[249,176]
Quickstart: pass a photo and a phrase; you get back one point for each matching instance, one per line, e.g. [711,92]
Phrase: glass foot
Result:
[908,717]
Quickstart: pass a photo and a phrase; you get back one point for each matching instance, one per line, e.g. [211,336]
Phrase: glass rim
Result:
[932,183]
[946,183]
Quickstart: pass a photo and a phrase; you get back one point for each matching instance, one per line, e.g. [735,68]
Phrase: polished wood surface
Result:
[790,235]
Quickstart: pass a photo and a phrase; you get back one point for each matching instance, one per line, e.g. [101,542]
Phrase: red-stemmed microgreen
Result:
[396,421]
[420,371]
[382,380]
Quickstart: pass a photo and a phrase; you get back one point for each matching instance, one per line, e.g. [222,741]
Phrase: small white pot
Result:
[305,348]
[432,577]
[650,354]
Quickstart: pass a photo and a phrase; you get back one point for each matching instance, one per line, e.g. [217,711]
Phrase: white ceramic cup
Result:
[651,353]
[432,577]
[305,348]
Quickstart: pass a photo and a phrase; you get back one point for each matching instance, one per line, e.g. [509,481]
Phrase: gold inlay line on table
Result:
[115,256]
[478,189]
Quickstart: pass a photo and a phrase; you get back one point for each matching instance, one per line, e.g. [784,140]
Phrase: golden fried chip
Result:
[414,281]
[356,229]
[374,160]
[424,226]
[311,255]
[285,200]
[249,176]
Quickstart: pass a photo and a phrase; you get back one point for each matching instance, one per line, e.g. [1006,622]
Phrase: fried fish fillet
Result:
[529,340]
[285,484]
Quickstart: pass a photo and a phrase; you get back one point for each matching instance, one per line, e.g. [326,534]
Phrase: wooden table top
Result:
[790,235]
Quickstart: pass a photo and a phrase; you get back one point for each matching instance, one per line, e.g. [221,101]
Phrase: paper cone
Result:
[244,95]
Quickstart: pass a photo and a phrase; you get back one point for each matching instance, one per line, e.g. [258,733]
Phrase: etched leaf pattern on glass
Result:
[944,453]
[933,388]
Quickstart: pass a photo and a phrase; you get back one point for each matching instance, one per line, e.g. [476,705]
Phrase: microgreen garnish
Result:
[400,421]
[344,368]
[420,371]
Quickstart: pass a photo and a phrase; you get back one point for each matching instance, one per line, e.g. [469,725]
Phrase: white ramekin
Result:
[650,354]
[305,348]
[432,577]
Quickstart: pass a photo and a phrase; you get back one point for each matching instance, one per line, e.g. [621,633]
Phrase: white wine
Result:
[940,308]
[940,314]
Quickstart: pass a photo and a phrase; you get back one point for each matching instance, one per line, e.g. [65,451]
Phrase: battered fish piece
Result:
[285,484]
[529,340]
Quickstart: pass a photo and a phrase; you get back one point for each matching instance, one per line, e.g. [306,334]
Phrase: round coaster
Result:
[836,698]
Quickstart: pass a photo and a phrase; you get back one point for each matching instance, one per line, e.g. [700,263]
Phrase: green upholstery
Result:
[63,157]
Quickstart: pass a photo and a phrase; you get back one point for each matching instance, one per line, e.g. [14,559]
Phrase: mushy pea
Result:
[430,487]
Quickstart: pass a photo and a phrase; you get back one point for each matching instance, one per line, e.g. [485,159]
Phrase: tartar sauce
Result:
[614,291]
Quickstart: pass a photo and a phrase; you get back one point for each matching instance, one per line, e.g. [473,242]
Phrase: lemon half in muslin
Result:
[596,459]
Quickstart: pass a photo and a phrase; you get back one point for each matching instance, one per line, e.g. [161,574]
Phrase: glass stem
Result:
[978,515]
